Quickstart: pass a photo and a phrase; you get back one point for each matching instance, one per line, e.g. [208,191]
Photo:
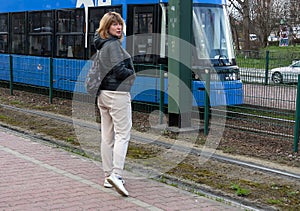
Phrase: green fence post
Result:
[11,75]
[206,103]
[297,118]
[162,93]
[267,67]
[51,80]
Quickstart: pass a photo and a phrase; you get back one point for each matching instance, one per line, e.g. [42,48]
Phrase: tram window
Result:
[4,23]
[4,33]
[95,15]
[71,20]
[18,33]
[143,21]
[40,28]
[71,46]
[40,45]
[40,21]
[140,25]
[69,37]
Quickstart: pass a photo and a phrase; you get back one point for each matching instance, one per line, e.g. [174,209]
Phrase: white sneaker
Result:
[108,185]
[116,181]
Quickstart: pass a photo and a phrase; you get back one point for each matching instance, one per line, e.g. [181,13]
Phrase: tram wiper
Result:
[222,60]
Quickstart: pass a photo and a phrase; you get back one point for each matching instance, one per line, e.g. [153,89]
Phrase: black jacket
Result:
[117,69]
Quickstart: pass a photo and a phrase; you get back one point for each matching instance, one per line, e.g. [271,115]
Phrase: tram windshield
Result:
[212,35]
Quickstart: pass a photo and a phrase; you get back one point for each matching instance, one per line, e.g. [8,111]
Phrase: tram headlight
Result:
[214,77]
[232,76]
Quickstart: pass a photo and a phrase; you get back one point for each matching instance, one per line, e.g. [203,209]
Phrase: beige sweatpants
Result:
[116,123]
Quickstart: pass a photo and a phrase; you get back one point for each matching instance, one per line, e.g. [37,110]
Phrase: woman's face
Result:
[115,29]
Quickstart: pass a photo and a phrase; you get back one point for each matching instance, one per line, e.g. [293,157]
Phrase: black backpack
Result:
[93,79]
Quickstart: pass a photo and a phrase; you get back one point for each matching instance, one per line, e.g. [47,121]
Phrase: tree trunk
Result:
[235,33]
[246,24]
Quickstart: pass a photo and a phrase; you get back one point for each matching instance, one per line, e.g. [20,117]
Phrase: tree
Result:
[240,13]
[263,20]
[260,17]
[294,12]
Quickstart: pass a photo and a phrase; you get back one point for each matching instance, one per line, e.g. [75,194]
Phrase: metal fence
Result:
[268,108]
[269,104]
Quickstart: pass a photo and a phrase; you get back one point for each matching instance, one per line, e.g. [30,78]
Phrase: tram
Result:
[57,35]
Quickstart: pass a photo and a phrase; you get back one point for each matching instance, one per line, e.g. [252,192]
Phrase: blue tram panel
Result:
[31,70]
[67,75]
[147,89]
[4,67]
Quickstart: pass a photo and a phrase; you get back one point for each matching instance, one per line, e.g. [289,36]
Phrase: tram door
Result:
[142,23]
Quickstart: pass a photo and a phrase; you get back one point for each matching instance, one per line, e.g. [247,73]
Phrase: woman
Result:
[114,100]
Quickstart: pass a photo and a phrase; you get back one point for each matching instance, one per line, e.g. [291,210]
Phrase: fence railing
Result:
[271,96]
[268,107]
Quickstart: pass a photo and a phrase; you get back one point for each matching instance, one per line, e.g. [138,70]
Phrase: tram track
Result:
[281,127]
[216,157]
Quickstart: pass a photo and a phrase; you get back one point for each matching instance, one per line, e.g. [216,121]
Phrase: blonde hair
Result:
[106,21]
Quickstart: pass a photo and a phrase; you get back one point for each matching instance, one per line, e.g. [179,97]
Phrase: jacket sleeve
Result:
[118,60]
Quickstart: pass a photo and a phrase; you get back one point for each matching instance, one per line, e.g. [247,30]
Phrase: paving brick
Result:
[35,176]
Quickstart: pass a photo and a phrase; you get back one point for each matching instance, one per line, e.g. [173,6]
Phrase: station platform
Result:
[38,176]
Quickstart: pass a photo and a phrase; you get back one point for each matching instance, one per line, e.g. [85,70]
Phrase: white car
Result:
[287,74]
[252,37]
[272,38]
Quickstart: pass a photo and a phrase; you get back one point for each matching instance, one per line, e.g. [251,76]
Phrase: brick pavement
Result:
[36,176]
